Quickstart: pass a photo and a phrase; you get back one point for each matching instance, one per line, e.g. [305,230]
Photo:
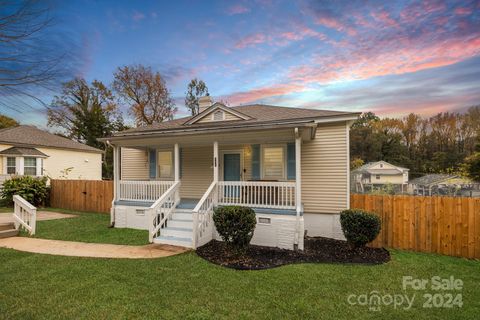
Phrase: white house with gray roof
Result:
[27,150]
[291,165]
[379,173]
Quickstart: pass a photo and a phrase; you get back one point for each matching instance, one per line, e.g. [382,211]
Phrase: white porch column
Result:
[177,162]
[215,161]
[298,172]
[116,172]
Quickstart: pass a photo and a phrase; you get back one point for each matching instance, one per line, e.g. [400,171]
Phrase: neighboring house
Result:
[379,173]
[26,150]
[443,184]
[290,164]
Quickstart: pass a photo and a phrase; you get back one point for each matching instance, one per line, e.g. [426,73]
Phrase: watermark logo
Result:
[436,292]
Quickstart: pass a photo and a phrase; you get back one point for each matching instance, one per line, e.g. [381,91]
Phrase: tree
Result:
[196,89]
[6,122]
[86,112]
[146,93]
[32,54]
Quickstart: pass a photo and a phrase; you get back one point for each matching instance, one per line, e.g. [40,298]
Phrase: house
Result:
[379,173]
[290,165]
[27,150]
[443,184]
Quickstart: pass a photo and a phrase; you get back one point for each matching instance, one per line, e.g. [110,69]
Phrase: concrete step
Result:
[178,223]
[8,233]
[174,241]
[179,210]
[7,226]
[182,216]
[177,232]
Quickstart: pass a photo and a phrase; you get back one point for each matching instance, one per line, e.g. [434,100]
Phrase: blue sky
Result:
[388,57]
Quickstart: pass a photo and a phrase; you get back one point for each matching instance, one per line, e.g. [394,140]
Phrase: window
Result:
[218,115]
[30,166]
[165,164]
[11,165]
[273,163]
[377,177]
[381,165]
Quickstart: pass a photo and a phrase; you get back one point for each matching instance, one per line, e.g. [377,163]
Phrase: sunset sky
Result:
[390,57]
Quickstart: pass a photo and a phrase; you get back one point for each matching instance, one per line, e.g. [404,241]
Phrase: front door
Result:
[231,172]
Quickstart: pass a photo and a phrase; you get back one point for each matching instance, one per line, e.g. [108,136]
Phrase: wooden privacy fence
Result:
[444,225]
[82,195]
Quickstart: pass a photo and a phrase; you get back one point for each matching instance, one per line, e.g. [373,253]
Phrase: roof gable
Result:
[208,114]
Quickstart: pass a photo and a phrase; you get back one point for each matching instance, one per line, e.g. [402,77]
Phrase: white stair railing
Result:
[258,194]
[24,214]
[203,217]
[161,210]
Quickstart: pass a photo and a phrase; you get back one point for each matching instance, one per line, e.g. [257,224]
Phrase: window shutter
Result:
[152,156]
[255,161]
[291,161]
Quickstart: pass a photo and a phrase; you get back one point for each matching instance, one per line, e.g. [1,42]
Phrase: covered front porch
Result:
[169,176]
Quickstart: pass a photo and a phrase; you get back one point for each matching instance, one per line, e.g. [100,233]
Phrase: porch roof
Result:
[261,117]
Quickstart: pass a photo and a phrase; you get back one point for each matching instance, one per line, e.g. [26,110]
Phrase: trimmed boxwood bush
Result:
[235,225]
[32,189]
[359,227]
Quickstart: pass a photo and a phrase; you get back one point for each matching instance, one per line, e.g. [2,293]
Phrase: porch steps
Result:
[179,229]
[8,230]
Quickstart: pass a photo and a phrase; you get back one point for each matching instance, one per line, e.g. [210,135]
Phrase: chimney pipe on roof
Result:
[204,102]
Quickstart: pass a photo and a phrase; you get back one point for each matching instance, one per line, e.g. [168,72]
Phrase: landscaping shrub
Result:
[32,189]
[359,227]
[235,225]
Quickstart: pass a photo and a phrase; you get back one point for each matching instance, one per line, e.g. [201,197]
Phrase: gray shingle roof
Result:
[21,151]
[432,179]
[258,112]
[30,136]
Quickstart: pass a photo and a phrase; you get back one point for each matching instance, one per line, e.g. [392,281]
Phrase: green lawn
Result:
[88,227]
[34,286]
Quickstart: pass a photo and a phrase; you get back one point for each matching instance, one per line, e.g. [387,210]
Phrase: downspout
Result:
[112,208]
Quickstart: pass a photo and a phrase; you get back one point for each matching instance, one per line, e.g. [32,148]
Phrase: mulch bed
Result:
[316,250]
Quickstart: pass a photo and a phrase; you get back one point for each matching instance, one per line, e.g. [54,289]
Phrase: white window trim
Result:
[36,166]
[157,164]
[262,160]
[6,166]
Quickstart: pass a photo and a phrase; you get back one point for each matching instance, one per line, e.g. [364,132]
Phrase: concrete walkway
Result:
[92,250]
[7,217]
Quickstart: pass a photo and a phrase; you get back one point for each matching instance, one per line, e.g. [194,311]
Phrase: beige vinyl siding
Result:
[209,117]
[85,165]
[134,164]
[397,179]
[324,170]
[197,171]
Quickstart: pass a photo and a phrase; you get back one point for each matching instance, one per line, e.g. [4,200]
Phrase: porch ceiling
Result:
[243,137]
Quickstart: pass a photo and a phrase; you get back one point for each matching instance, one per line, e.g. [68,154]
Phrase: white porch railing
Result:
[203,217]
[160,212]
[143,190]
[24,214]
[258,194]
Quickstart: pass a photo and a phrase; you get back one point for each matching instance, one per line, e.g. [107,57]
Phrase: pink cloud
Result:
[263,92]
[463,11]
[253,39]
[237,9]
[336,24]
[384,18]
